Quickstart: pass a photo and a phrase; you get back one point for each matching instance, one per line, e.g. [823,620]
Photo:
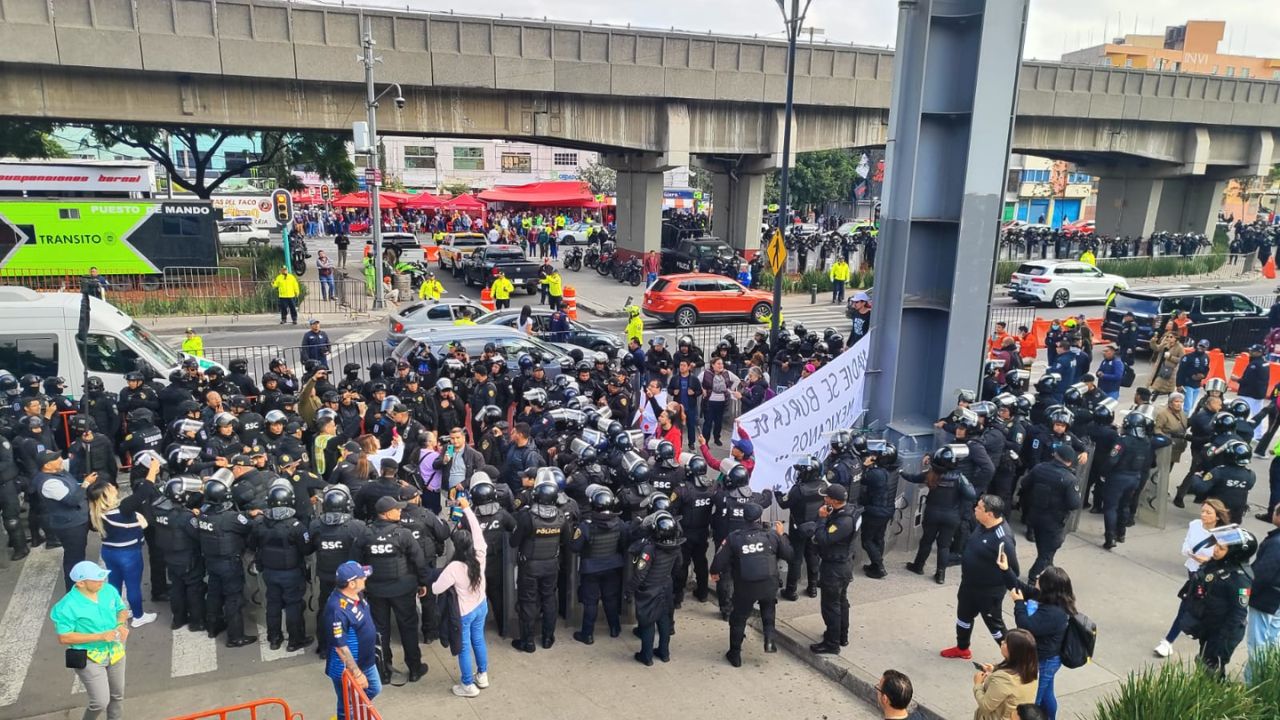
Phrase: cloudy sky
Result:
[1054,26]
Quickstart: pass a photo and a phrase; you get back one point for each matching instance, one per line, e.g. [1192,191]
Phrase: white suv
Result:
[1060,282]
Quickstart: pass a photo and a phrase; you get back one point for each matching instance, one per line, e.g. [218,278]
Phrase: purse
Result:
[77,658]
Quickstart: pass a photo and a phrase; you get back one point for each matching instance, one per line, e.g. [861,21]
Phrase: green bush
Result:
[1264,679]
[255,262]
[801,282]
[1182,692]
[256,298]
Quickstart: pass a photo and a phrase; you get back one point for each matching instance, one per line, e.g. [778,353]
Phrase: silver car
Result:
[510,343]
[580,334]
[429,313]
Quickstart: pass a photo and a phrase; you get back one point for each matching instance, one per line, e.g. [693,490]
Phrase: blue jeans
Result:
[837,291]
[1190,396]
[1261,630]
[473,643]
[650,279]
[326,287]
[375,687]
[713,418]
[1114,395]
[125,565]
[1044,693]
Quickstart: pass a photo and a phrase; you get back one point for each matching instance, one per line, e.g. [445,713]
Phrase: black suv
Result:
[1151,307]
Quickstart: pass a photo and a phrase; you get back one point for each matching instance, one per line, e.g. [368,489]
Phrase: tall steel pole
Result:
[793,22]
[375,212]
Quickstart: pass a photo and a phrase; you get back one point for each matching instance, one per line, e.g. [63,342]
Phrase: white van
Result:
[38,336]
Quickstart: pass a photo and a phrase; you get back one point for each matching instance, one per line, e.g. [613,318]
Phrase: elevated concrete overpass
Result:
[649,100]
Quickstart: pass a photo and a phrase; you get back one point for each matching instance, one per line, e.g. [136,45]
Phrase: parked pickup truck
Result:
[482,266]
[698,255]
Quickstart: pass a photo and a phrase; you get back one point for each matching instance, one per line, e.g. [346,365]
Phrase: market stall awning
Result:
[361,200]
[465,202]
[567,193]
[425,201]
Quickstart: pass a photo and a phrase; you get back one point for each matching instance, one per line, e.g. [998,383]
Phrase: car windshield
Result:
[1032,269]
[143,338]
[1136,304]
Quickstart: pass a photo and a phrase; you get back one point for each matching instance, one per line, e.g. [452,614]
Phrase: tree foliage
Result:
[455,187]
[602,178]
[821,176]
[26,139]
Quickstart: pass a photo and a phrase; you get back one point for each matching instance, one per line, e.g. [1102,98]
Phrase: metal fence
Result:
[259,357]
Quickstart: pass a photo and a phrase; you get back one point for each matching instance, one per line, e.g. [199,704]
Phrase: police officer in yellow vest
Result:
[839,276]
[501,291]
[555,289]
[635,325]
[193,344]
[431,288]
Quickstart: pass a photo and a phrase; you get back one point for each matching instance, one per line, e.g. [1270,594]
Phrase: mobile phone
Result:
[978,666]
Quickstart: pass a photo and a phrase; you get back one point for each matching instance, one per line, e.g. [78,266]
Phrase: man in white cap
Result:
[861,316]
[92,622]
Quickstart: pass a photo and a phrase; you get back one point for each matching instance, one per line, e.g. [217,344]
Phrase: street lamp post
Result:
[793,21]
[371,113]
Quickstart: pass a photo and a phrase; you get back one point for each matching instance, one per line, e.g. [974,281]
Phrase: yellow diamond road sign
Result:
[776,252]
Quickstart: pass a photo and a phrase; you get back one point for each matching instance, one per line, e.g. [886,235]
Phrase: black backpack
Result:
[1079,640]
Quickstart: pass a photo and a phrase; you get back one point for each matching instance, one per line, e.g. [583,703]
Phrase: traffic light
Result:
[326,192]
[282,206]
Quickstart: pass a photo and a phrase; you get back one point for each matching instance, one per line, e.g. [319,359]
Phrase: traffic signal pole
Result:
[375,212]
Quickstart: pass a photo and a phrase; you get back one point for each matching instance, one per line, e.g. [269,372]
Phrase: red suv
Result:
[684,299]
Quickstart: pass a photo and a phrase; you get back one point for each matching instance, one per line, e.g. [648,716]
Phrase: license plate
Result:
[518,281]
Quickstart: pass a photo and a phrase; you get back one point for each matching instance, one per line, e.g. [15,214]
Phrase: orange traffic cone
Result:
[1269,270]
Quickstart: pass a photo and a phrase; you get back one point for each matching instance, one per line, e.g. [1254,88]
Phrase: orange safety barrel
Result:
[486,300]
[1237,369]
[1095,324]
[1217,365]
[570,299]
[1040,328]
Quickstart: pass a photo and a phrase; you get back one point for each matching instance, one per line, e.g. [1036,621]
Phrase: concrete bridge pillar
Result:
[737,209]
[1141,206]
[639,211]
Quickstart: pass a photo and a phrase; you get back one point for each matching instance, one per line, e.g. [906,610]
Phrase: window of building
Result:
[569,159]
[68,213]
[1079,178]
[517,163]
[1275,74]
[235,161]
[1177,67]
[1231,71]
[468,158]
[183,160]
[419,157]
[1214,71]
[1244,72]
[1128,62]
[1035,176]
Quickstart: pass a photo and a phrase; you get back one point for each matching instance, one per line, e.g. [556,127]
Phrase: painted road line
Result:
[25,617]
[346,343]
[194,653]
[269,655]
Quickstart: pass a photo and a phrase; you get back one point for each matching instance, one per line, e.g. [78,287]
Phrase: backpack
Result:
[769,394]
[1079,641]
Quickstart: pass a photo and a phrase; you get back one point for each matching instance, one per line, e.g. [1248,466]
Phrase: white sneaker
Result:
[482,680]
[467,691]
[145,619]
[1164,649]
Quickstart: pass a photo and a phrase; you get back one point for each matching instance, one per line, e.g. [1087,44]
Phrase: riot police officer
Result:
[652,560]
[727,516]
[666,476]
[843,463]
[223,532]
[100,405]
[950,496]
[833,536]
[878,496]
[694,506]
[750,554]
[1051,496]
[1130,459]
[399,576]
[1230,481]
[540,532]
[599,541]
[281,544]
[803,500]
[335,538]
[10,505]
[137,395]
[431,533]
[495,522]
[179,540]
[1218,595]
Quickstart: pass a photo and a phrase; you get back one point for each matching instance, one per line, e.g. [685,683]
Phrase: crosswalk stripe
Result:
[193,653]
[24,618]
[269,655]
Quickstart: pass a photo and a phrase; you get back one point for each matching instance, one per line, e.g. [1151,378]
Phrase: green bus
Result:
[43,237]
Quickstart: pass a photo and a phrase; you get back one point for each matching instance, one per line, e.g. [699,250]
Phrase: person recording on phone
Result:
[982,582]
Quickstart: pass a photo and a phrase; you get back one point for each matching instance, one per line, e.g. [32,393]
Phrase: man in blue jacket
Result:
[1110,373]
[1254,382]
[1192,370]
[1263,627]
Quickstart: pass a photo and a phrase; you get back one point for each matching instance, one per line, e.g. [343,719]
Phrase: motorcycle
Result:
[573,259]
[608,259]
[298,255]
[633,272]
[591,257]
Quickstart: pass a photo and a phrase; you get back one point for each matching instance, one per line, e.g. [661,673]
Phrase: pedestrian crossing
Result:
[34,679]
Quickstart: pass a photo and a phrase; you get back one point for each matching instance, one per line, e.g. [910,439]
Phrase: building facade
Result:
[1189,48]
[1048,192]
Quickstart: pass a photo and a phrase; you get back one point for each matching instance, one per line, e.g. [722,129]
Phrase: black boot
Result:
[811,590]
[1108,543]
[790,594]
[916,568]
[874,572]
[940,577]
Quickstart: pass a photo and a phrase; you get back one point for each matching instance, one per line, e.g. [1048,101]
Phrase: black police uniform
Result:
[726,508]
[431,533]
[101,406]
[803,500]
[144,397]
[878,495]
[1230,484]
[540,532]
[982,583]
[833,538]
[495,522]
[223,533]
[1052,496]
[651,565]
[750,554]
[843,468]
[1104,436]
[948,500]
[179,540]
[335,538]
[599,541]
[281,546]
[10,505]
[1219,595]
[1015,439]
[1130,460]
[399,569]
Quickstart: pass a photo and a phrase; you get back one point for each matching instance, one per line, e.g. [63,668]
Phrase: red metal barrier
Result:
[255,709]
[355,704]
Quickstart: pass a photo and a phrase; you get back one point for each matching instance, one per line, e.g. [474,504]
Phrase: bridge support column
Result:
[1141,206]
[738,202]
[639,211]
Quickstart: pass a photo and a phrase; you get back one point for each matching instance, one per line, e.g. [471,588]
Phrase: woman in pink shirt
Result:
[465,575]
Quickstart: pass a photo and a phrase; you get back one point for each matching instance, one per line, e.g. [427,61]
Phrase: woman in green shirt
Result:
[93,618]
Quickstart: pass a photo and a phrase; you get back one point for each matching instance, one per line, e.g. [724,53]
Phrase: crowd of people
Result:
[372,477]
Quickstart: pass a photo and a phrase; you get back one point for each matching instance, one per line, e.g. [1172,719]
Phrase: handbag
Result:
[77,658]
[1129,376]
[1165,371]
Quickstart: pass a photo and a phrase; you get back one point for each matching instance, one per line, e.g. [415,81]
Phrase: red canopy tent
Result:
[307,196]
[466,202]
[566,193]
[425,201]
[361,200]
